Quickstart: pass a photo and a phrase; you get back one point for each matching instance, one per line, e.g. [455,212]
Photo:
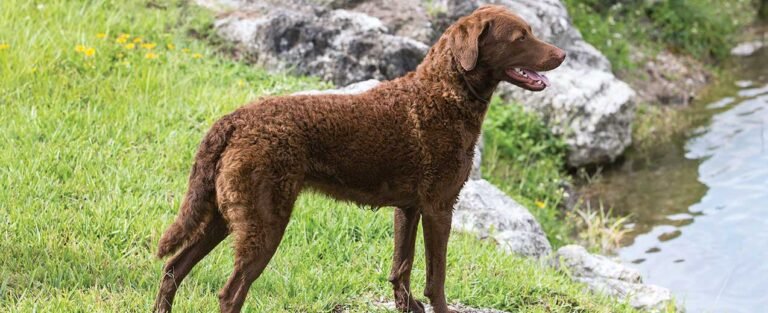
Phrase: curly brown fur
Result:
[407,143]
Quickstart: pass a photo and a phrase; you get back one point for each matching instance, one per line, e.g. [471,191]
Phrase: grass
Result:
[705,29]
[601,230]
[96,141]
[655,125]
[526,160]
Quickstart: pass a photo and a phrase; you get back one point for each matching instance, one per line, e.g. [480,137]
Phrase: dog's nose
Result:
[560,55]
[553,59]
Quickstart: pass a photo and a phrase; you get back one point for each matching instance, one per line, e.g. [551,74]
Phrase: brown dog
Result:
[407,143]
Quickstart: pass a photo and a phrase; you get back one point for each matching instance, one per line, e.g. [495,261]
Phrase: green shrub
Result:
[698,27]
[607,34]
[525,159]
[703,28]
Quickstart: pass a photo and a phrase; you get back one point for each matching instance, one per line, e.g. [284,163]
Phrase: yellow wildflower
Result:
[130,46]
[240,83]
[90,52]
[4,46]
[170,46]
[80,48]
[150,56]
[540,204]
[148,46]
[197,56]
[123,38]
[185,50]
[137,40]
[101,35]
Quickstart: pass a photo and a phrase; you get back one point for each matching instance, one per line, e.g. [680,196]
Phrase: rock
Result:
[746,49]
[404,18]
[477,160]
[650,298]
[488,212]
[336,45]
[445,12]
[610,278]
[592,110]
[459,308]
[667,79]
[220,5]
[581,263]
[352,89]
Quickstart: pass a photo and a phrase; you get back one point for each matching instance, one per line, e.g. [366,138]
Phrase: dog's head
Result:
[501,44]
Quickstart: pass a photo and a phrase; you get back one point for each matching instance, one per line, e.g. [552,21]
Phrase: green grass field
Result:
[103,104]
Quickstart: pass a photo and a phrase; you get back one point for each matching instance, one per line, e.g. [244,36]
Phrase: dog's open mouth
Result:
[527,79]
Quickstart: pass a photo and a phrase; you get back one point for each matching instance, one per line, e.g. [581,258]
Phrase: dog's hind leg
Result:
[257,225]
[177,268]
[406,225]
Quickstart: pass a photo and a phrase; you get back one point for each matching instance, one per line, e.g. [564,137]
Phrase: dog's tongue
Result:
[536,76]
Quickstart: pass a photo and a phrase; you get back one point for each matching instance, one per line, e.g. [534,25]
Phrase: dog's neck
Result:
[469,89]
[479,83]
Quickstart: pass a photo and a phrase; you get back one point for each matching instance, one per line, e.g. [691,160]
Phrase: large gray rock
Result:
[586,103]
[604,276]
[591,109]
[485,210]
[341,46]
[351,89]
[406,18]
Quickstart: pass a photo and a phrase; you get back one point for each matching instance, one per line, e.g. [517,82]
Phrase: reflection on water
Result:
[700,205]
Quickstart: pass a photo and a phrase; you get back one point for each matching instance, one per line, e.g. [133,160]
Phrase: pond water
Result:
[699,204]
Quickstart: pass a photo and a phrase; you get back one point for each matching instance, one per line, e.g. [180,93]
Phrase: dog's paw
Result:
[407,303]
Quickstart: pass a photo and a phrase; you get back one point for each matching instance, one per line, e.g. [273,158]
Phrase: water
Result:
[700,204]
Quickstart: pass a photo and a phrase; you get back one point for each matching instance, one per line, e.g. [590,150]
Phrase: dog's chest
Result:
[448,161]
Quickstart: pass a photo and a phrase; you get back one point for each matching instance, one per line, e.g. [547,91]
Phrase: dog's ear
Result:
[465,40]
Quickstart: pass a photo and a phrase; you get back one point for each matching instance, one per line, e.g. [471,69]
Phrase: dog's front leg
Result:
[437,229]
[406,224]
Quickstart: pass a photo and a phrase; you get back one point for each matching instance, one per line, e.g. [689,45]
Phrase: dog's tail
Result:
[199,204]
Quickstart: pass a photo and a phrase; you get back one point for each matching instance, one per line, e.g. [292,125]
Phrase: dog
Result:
[407,143]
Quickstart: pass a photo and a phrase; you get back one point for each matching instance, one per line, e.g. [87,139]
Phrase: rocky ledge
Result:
[605,276]
[459,308]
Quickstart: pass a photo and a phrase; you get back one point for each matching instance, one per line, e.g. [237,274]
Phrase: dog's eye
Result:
[522,38]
